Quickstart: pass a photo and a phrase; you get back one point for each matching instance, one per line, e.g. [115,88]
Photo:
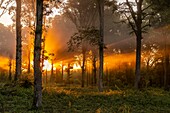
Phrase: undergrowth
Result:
[17,99]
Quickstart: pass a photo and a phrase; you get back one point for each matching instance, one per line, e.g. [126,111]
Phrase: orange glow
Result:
[47,65]
[4,64]
[52,42]
[76,66]
[115,61]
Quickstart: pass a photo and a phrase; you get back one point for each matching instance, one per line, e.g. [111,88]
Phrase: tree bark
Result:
[166,63]
[166,67]
[138,62]
[18,41]
[10,69]
[62,72]
[94,71]
[83,68]
[138,44]
[37,101]
[68,74]
[101,44]
[52,71]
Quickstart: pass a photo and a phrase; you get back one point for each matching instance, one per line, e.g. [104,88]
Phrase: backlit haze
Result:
[117,39]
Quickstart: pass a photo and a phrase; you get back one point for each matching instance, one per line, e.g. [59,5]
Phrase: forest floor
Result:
[16,99]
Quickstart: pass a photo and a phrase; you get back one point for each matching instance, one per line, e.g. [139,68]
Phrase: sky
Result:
[6,20]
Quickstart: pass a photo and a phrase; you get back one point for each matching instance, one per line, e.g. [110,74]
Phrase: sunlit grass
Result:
[15,99]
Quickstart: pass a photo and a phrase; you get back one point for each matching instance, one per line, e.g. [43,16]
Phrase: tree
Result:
[10,68]
[37,100]
[19,41]
[83,14]
[139,21]
[162,10]
[101,43]
[84,37]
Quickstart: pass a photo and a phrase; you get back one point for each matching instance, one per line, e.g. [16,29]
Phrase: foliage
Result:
[161,8]
[91,35]
[82,13]
[26,83]
[85,100]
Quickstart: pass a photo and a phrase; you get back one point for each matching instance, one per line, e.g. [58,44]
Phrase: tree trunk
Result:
[94,71]
[83,69]
[52,72]
[18,41]
[37,101]
[138,42]
[62,72]
[10,69]
[101,43]
[87,74]
[138,62]
[68,74]
[166,67]
[166,62]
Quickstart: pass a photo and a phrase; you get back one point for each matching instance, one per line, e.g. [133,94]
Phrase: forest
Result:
[84,56]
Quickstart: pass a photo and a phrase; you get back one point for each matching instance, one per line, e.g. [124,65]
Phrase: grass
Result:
[15,99]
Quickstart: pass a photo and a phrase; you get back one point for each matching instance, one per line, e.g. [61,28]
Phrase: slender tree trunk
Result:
[101,44]
[83,69]
[87,74]
[68,74]
[37,101]
[18,41]
[166,67]
[166,63]
[46,76]
[10,69]
[94,71]
[62,72]
[52,71]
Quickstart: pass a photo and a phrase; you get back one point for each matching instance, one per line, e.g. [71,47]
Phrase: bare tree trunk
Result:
[166,63]
[68,74]
[166,67]
[83,69]
[19,41]
[62,73]
[94,71]
[101,44]
[46,76]
[37,101]
[52,71]
[87,74]
[138,62]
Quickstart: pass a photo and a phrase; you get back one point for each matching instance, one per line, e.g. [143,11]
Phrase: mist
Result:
[7,43]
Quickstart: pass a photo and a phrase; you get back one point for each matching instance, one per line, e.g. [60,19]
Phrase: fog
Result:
[116,36]
[7,43]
